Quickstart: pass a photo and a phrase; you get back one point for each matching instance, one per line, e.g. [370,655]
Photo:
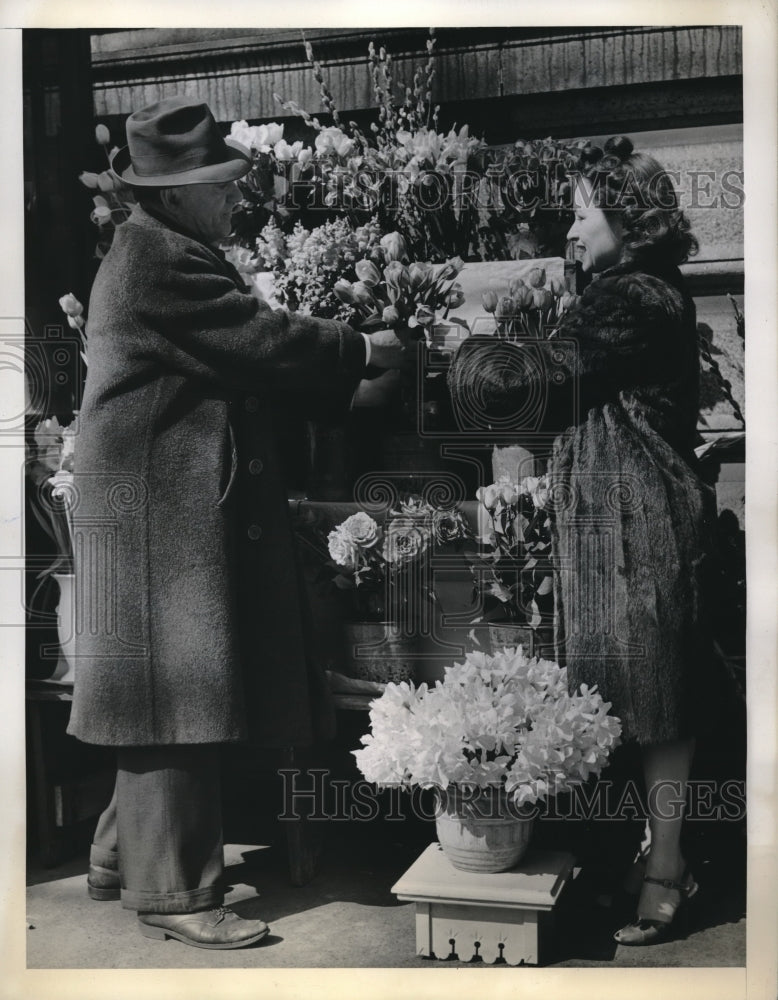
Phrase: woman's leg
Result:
[666,768]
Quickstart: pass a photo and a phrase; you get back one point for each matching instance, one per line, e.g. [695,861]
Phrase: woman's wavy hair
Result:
[641,191]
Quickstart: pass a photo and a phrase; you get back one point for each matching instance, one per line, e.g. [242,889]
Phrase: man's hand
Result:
[386,351]
[378,391]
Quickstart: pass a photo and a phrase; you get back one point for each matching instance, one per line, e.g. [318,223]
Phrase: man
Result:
[191,628]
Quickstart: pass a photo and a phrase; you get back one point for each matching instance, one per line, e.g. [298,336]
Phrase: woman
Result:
[618,387]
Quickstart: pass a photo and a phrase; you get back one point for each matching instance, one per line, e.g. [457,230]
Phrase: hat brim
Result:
[237,163]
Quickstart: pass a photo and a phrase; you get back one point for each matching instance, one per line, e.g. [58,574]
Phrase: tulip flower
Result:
[419,274]
[506,309]
[397,274]
[266,136]
[424,315]
[556,287]
[102,135]
[394,247]
[344,291]
[304,156]
[283,151]
[101,215]
[515,285]
[70,305]
[75,322]
[450,269]
[489,300]
[367,272]
[362,294]
[390,316]
[488,495]
[88,179]
[106,182]
[543,299]
[536,277]
[456,296]
[524,298]
[333,140]
[508,492]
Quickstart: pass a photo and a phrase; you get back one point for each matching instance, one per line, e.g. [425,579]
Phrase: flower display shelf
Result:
[497,919]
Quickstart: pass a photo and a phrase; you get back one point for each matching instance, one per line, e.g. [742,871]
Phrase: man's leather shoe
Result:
[219,928]
[103,883]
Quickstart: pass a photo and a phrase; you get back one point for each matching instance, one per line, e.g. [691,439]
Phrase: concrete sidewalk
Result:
[348,918]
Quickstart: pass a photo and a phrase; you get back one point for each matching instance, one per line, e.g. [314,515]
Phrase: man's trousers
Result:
[162,830]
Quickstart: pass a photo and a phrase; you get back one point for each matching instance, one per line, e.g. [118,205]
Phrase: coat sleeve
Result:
[199,322]
[625,333]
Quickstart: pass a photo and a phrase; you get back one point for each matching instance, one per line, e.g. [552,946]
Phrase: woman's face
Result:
[599,235]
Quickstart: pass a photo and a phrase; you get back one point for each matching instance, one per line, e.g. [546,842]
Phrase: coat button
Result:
[255,466]
[252,404]
[254,532]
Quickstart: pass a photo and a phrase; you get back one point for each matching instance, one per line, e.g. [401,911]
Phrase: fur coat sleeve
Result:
[630,332]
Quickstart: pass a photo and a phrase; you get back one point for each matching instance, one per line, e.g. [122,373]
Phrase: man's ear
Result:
[169,198]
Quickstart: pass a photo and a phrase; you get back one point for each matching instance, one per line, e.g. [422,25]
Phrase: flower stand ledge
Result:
[501,918]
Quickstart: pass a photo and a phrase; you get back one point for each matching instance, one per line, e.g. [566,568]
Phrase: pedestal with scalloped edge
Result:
[499,918]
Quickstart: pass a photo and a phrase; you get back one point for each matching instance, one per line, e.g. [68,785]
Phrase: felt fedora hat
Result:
[177,141]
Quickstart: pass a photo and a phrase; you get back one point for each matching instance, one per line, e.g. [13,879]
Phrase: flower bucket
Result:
[379,651]
[482,831]
[535,641]
[66,631]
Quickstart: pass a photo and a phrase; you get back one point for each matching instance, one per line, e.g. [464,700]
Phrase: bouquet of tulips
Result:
[530,309]
[276,166]
[404,297]
[113,200]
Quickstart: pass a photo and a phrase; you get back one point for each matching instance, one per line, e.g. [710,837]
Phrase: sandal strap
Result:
[668,883]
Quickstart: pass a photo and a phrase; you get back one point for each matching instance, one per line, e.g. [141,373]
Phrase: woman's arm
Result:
[625,332]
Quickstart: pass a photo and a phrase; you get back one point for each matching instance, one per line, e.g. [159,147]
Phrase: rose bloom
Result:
[404,543]
[361,529]
[449,526]
[342,548]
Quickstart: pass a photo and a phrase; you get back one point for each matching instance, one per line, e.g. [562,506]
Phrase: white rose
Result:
[342,549]
[361,529]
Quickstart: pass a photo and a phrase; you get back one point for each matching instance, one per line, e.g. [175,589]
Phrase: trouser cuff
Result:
[190,901]
[103,858]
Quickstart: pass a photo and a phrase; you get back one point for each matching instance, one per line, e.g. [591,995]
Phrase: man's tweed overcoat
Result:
[191,622]
[617,392]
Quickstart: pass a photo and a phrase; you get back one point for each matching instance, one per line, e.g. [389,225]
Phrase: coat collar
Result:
[146,219]
[663,269]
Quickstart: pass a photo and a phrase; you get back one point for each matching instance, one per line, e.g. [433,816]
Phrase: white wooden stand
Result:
[478,917]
